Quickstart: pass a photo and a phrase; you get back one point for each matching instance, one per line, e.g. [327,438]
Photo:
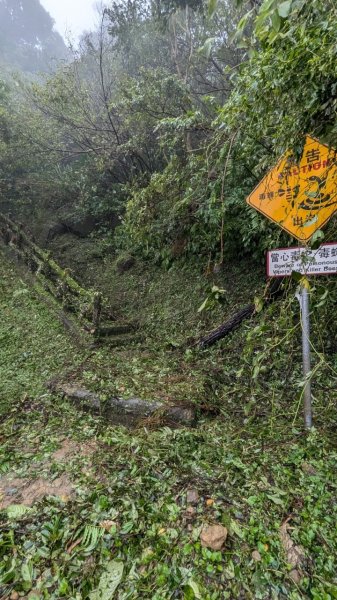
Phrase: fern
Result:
[16,511]
[4,467]
[91,537]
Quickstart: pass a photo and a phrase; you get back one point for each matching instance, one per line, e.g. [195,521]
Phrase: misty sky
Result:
[72,15]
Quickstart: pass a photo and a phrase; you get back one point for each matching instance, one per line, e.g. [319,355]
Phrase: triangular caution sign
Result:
[300,197]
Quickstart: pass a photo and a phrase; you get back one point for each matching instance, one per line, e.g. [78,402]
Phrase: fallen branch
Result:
[227,327]
[272,292]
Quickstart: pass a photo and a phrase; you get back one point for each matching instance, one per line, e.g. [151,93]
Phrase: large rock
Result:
[213,536]
[192,496]
[79,227]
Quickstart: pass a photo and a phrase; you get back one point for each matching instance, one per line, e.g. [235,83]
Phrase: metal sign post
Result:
[305,323]
[282,262]
[301,196]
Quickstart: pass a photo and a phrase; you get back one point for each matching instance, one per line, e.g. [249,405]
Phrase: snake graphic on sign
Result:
[300,196]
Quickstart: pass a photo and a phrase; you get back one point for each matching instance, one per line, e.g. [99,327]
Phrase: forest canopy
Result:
[167,116]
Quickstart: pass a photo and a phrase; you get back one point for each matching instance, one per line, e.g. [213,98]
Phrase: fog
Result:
[71,16]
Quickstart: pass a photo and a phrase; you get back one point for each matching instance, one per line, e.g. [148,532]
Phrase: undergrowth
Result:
[128,518]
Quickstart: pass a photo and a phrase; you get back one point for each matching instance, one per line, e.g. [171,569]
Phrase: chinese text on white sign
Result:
[283,261]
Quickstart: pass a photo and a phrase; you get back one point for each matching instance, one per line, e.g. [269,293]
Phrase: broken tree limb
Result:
[272,292]
[227,327]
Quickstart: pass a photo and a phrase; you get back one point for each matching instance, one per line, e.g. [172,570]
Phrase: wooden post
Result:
[97,310]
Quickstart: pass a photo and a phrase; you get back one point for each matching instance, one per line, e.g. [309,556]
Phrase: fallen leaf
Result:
[294,554]
[235,528]
[213,536]
[192,590]
[17,511]
[107,525]
[73,545]
[109,581]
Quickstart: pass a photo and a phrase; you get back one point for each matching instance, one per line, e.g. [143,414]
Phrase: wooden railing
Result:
[86,305]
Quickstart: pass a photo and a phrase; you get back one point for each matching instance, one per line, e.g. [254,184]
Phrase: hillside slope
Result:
[97,502]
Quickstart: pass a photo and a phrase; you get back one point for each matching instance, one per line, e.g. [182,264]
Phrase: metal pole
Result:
[305,322]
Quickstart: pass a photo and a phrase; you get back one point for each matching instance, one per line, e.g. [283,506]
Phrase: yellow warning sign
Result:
[300,197]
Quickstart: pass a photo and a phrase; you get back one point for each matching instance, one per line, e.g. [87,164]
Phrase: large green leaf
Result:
[212,4]
[109,581]
[191,591]
[276,21]
[284,9]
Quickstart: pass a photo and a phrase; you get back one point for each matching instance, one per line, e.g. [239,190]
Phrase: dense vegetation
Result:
[131,161]
[167,116]
[117,509]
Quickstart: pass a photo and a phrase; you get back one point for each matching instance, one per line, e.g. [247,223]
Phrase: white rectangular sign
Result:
[283,261]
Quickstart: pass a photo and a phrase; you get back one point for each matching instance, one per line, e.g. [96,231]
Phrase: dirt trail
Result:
[29,490]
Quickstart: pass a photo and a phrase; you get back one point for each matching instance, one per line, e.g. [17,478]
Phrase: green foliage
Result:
[291,80]
[135,103]
[16,511]
[290,77]
[91,537]
[44,335]
[109,581]
[127,528]
[216,296]
[169,128]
